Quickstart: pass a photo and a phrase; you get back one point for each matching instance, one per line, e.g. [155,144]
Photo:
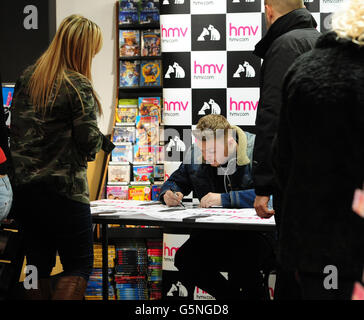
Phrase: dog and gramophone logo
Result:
[207,101]
[208,32]
[177,70]
[243,69]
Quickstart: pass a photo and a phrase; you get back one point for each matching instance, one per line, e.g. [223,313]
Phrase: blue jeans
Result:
[52,223]
[6,197]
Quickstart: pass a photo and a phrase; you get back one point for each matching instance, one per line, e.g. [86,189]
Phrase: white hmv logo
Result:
[176,142]
[182,291]
[175,2]
[212,31]
[247,68]
[176,69]
[215,108]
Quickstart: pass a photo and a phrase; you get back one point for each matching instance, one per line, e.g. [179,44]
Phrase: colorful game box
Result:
[147,130]
[126,111]
[156,190]
[143,173]
[159,172]
[145,153]
[124,134]
[150,107]
[115,192]
[118,172]
[122,153]
[140,192]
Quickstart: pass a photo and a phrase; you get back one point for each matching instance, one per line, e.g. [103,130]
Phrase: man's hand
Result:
[210,200]
[172,199]
[261,207]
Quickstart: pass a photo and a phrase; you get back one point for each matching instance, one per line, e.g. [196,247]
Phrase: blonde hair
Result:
[76,42]
[349,22]
[209,126]
[285,6]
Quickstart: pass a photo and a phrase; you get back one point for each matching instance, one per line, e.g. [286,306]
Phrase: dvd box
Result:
[126,111]
[145,153]
[128,12]
[117,192]
[118,172]
[122,153]
[143,173]
[150,73]
[147,130]
[149,12]
[129,43]
[140,192]
[159,172]
[124,134]
[151,43]
[129,73]
[156,190]
[150,106]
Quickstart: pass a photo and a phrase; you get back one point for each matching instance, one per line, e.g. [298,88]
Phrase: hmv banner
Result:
[209,65]
[209,68]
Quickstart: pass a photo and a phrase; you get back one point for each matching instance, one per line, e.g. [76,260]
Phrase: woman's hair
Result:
[349,22]
[76,42]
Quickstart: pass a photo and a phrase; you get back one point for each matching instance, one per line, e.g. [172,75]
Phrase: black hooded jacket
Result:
[287,38]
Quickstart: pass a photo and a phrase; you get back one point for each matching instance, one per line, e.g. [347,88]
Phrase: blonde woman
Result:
[54,134]
[320,160]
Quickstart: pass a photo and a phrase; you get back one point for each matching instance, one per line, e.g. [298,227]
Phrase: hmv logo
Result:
[167,251]
[243,105]
[175,70]
[211,33]
[207,68]
[174,32]
[175,105]
[244,69]
[238,31]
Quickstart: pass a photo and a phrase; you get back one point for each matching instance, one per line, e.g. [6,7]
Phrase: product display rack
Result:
[118,232]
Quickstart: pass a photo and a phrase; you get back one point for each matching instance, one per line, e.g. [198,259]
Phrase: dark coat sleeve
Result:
[276,63]
[179,181]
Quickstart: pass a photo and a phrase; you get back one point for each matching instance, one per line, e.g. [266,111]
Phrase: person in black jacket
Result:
[291,32]
[220,178]
[6,193]
[319,156]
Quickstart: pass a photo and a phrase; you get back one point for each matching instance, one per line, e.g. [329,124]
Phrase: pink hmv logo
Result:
[174,32]
[243,105]
[207,68]
[237,31]
[175,105]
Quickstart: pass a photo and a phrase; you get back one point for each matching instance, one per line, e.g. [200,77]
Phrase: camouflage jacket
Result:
[54,148]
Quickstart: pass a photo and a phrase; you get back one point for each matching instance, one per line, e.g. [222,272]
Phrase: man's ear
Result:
[269,12]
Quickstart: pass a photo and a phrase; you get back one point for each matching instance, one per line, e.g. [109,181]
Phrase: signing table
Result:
[131,212]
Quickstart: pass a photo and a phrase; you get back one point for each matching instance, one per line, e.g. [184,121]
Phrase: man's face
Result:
[214,151]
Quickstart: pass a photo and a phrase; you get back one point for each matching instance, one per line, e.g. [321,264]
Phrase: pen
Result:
[175,193]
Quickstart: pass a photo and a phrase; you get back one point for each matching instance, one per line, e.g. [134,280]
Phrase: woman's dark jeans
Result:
[52,223]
